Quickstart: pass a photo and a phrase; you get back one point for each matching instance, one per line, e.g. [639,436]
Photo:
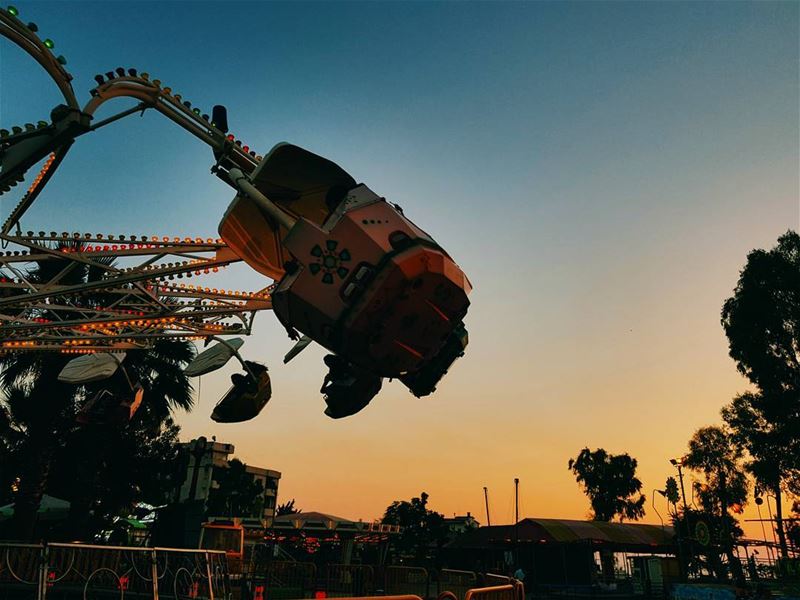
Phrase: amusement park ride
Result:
[349,270]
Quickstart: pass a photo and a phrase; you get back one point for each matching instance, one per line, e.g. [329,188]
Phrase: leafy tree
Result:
[42,409]
[287,508]
[762,322]
[421,528]
[610,482]
[773,447]
[714,453]
[132,463]
[238,494]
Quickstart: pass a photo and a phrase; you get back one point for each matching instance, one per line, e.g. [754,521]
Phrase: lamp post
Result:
[678,463]
[653,495]
[516,522]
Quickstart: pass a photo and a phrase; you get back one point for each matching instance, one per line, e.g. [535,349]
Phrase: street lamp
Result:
[663,493]
[678,463]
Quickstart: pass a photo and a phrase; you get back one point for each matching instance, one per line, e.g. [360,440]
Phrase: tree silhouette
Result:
[762,322]
[610,482]
[238,494]
[421,528]
[774,450]
[714,453]
[287,508]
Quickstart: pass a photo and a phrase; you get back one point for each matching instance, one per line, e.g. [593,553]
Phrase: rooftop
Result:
[532,530]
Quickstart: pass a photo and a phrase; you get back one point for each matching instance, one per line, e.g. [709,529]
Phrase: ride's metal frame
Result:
[142,300]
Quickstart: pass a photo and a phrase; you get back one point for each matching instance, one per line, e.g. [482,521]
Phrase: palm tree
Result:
[43,409]
[10,440]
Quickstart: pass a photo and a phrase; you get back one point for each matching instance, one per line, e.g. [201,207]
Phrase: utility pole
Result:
[516,522]
[678,463]
[486,500]
[683,490]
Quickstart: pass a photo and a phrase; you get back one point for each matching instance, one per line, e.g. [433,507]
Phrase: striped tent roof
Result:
[632,535]
[568,530]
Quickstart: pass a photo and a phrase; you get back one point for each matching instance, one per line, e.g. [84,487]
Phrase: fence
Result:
[458,582]
[496,592]
[349,580]
[406,580]
[87,572]
[278,580]
[492,579]
[282,580]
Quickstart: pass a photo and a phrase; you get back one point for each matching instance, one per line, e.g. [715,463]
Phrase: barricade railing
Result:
[20,573]
[458,582]
[495,592]
[492,579]
[85,571]
[344,581]
[406,580]
[403,597]
[519,589]
[278,580]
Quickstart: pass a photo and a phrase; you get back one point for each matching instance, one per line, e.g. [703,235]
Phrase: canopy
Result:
[91,367]
[628,535]
[213,358]
[50,509]
[314,520]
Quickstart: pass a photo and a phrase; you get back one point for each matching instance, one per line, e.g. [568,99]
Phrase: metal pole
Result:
[653,496]
[683,490]
[210,581]
[678,463]
[516,522]
[772,520]
[43,569]
[486,500]
[764,532]
[238,357]
[242,183]
[154,573]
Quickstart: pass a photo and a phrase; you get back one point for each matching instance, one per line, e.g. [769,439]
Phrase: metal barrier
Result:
[278,580]
[458,582]
[85,572]
[520,589]
[404,597]
[406,580]
[492,579]
[349,581]
[495,592]
[19,570]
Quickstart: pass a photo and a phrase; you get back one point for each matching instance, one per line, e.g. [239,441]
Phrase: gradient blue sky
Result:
[599,170]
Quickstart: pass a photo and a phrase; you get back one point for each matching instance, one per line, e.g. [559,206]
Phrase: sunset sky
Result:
[599,171]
